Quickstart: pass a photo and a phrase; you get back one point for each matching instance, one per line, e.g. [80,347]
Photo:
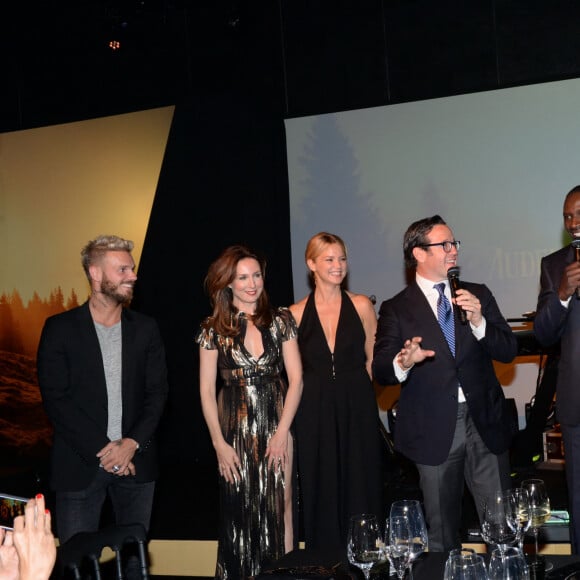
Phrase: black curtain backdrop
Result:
[223,181]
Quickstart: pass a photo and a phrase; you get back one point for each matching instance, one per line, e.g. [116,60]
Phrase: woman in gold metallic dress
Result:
[249,421]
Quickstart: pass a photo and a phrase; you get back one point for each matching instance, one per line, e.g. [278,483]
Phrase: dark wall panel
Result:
[304,56]
[537,41]
[333,55]
[439,48]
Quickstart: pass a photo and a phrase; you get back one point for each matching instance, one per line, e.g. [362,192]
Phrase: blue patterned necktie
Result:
[445,316]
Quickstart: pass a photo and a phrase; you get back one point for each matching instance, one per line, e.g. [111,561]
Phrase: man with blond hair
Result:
[103,379]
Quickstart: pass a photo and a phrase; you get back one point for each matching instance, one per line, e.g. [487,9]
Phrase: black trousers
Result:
[571,436]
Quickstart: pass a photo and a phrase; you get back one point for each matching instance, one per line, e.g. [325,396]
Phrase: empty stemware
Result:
[412,510]
[398,543]
[458,552]
[508,564]
[465,564]
[365,547]
[498,523]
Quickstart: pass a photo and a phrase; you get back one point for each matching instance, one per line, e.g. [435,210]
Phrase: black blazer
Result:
[427,408]
[554,322]
[72,382]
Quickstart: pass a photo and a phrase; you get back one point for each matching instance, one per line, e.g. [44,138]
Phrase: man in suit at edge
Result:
[103,378]
[558,318]
[452,418]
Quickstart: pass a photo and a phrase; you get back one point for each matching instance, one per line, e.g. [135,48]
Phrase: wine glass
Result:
[462,565]
[398,542]
[498,521]
[457,553]
[365,547]
[508,564]
[521,502]
[412,510]
[539,507]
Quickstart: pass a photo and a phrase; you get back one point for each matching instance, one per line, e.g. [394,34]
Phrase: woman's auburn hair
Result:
[220,275]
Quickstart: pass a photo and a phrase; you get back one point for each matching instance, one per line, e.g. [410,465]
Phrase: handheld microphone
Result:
[576,246]
[454,285]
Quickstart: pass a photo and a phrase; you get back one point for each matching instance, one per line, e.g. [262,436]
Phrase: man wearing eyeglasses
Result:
[452,418]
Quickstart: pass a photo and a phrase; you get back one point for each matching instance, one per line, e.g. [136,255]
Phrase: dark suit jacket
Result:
[72,382]
[427,408]
[554,322]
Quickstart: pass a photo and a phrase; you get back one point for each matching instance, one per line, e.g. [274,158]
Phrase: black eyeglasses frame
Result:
[447,245]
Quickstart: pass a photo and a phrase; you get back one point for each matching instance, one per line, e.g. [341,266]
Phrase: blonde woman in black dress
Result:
[337,424]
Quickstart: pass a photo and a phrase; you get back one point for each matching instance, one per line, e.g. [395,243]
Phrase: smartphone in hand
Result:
[10,507]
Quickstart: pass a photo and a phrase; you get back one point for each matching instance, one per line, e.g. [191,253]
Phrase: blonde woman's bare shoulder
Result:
[361,302]
[298,309]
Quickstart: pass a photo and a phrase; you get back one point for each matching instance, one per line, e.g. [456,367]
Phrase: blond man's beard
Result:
[112,291]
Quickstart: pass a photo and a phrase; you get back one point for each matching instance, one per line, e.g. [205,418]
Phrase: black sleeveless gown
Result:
[337,429]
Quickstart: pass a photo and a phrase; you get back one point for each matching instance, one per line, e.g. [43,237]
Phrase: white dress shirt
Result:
[432,295]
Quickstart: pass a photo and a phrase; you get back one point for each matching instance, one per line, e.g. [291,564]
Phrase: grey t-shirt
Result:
[111,350]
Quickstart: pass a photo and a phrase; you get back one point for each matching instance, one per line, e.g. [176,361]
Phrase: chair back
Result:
[85,548]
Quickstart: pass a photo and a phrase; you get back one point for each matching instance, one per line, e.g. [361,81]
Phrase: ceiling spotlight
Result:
[114,44]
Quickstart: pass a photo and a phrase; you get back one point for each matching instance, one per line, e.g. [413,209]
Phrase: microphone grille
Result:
[576,243]
[453,272]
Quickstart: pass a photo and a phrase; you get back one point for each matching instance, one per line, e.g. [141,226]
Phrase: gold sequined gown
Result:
[250,402]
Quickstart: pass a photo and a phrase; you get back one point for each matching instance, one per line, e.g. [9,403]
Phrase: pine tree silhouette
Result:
[72,301]
[333,174]
[11,310]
